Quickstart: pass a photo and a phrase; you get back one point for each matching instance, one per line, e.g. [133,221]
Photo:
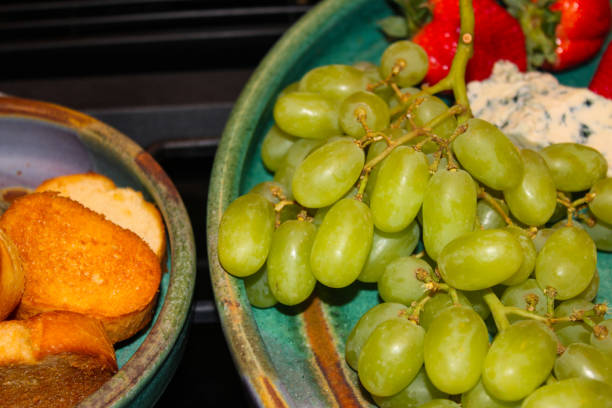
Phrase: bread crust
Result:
[12,280]
[76,260]
[54,359]
[123,206]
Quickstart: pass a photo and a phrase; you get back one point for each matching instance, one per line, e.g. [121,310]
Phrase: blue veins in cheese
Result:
[535,110]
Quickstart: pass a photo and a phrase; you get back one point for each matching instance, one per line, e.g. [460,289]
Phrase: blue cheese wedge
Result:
[535,110]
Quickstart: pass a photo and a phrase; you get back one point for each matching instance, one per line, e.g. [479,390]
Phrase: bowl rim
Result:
[253,362]
[141,368]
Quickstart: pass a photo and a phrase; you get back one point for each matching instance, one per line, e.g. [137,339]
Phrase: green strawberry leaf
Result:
[394,26]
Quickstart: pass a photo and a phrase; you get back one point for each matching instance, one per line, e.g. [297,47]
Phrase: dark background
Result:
[166,73]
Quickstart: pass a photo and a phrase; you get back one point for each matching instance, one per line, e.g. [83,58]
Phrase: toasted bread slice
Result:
[76,260]
[12,280]
[54,359]
[123,206]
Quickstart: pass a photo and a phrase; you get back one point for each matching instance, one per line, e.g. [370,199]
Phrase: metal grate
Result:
[95,36]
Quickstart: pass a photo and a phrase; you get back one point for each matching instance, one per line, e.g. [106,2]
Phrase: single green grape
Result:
[449,209]
[399,189]
[519,360]
[414,59]
[566,262]
[573,392]
[480,259]
[603,344]
[476,299]
[391,357]
[529,256]
[376,149]
[418,392]
[342,243]
[439,302]
[273,191]
[245,234]
[573,332]
[366,325]
[258,290]
[574,167]
[591,291]
[488,216]
[328,173]
[440,403]
[479,397]
[387,246]
[307,114]
[601,233]
[292,87]
[488,155]
[430,107]
[335,81]
[517,295]
[289,274]
[274,147]
[541,237]
[601,206]
[319,213]
[584,361]
[455,347]
[372,107]
[295,155]
[534,199]
[399,282]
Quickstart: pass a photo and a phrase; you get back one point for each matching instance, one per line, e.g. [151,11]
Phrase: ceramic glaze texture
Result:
[40,141]
[294,356]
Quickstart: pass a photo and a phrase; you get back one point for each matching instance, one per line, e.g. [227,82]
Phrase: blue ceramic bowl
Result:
[294,357]
[39,141]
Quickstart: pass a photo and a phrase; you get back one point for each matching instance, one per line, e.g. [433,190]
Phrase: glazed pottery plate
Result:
[294,356]
[39,141]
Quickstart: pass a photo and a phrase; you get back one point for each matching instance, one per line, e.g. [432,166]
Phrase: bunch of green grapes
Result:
[497,309]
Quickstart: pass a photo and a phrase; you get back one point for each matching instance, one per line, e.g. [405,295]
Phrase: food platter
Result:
[295,356]
[40,140]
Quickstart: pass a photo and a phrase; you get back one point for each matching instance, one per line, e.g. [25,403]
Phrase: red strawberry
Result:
[562,33]
[497,36]
[602,80]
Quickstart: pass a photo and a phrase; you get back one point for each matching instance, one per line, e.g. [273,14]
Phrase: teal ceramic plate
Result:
[39,141]
[295,356]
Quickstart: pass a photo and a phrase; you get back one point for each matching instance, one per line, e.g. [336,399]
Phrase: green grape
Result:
[319,213]
[295,155]
[292,87]
[476,299]
[573,332]
[519,360]
[258,290]
[479,397]
[449,209]
[334,81]
[387,246]
[429,108]
[440,403]
[603,344]
[391,357]
[480,259]
[541,237]
[342,243]
[374,108]
[271,190]
[591,291]
[455,347]
[529,257]
[574,167]
[488,155]
[372,72]
[516,296]
[534,200]
[245,233]
[584,361]
[328,173]
[399,189]
[289,274]
[488,216]
[376,149]
[571,393]
[366,325]
[566,262]
[274,147]
[307,114]
[601,233]
[399,282]
[418,392]
[439,302]
[601,206]
[413,56]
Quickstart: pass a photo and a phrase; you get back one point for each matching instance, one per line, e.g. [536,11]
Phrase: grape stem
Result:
[498,310]
[493,202]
